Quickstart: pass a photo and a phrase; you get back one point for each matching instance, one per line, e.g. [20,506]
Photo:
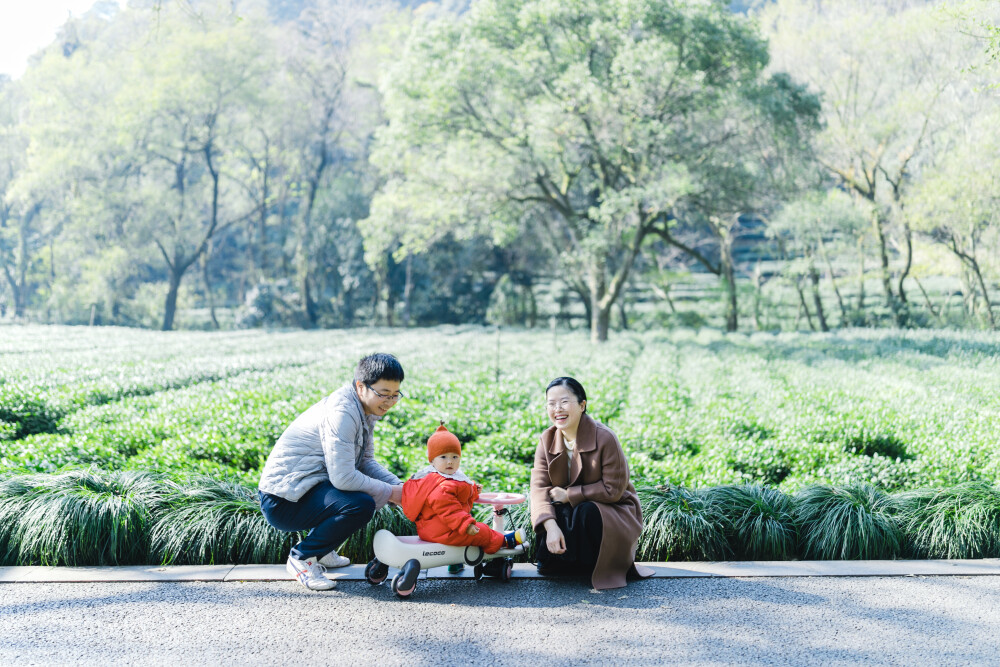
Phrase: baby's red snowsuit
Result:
[441,507]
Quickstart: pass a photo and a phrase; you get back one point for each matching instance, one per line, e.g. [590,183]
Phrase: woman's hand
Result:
[472,529]
[557,494]
[554,539]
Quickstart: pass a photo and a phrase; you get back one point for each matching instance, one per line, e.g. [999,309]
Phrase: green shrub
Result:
[8,431]
[26,411]
[847,523]
[959,522]
[12,488]
[211,521]
[760,521]
[79,518]
[52,452]
[680,524]
[883,444]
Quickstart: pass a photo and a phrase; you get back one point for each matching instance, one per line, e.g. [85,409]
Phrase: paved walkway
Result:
[814,568]
[690,620]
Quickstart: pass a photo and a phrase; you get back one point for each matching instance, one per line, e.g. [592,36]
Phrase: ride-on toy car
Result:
[411,554]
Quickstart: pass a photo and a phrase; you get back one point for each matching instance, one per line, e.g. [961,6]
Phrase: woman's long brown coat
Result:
[599,473]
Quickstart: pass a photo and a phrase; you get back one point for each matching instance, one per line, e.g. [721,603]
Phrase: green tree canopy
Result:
[596,123]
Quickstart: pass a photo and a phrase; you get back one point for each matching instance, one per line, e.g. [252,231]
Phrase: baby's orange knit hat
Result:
[442,441]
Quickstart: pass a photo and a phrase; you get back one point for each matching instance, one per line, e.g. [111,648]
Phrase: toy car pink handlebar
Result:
[500,498]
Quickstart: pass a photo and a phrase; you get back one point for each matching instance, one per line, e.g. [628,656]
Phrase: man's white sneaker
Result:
[309,573]
[333,559]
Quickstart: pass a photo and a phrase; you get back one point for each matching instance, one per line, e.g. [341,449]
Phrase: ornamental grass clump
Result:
[958,522]
[83,517]
[680,524]
[358,546]
[759,521]
[852,522]
[11,490]
[212,521]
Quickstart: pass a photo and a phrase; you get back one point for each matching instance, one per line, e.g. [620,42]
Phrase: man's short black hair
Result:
[378,366]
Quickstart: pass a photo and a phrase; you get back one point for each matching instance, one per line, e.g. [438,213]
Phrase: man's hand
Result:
[396,497]
[472,529]
[558,494]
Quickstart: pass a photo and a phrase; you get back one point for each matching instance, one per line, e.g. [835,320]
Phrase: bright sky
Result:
[28,25]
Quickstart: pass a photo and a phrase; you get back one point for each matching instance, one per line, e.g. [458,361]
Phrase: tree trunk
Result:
[820,314]
[208,288]
[587,305]
[728,274]
[891,299]
[927,300]
[600,312]
[908,238]
[408,291]
[599,325]
[19,300]
[170,307]
[259,268]
[758,285]
[309,308]
[861,278]
[532,306]
[986,295]
[833,282]
[622,314]
[308,304]
[390,305]
[19,285]
[803,307]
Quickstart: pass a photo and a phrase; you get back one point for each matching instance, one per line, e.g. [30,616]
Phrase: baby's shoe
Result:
[456,568]
[309,573]
[512,538]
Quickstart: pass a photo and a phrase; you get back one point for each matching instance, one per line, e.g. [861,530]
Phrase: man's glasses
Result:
[386,397]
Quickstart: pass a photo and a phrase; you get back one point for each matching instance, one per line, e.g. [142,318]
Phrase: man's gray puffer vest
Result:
[331,440]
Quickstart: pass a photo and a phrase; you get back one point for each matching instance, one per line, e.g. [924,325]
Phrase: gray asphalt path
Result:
[772,621]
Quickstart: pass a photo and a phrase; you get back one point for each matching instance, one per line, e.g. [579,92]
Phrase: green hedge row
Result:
[135,517]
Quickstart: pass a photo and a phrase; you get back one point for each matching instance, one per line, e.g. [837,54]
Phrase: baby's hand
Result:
[472,529]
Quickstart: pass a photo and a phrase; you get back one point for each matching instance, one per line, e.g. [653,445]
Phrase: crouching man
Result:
[322,476]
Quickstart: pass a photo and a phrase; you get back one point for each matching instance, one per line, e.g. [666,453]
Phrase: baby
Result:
[439,500]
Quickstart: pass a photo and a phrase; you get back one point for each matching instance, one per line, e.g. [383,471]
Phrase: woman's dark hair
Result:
[378,366]
[572,385]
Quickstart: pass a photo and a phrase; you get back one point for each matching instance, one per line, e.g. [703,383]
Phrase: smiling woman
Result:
[583,506]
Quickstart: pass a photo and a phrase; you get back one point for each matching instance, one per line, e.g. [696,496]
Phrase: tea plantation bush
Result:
[722,421]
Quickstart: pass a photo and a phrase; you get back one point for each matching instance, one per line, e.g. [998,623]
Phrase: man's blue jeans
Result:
[329,514]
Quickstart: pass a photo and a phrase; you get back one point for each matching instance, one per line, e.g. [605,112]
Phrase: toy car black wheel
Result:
[376,572]
[477,572]
[399,588]
[507,570]
[405,582]
[494,568]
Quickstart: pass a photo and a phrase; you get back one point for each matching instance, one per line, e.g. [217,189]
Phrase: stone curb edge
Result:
[670,570]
